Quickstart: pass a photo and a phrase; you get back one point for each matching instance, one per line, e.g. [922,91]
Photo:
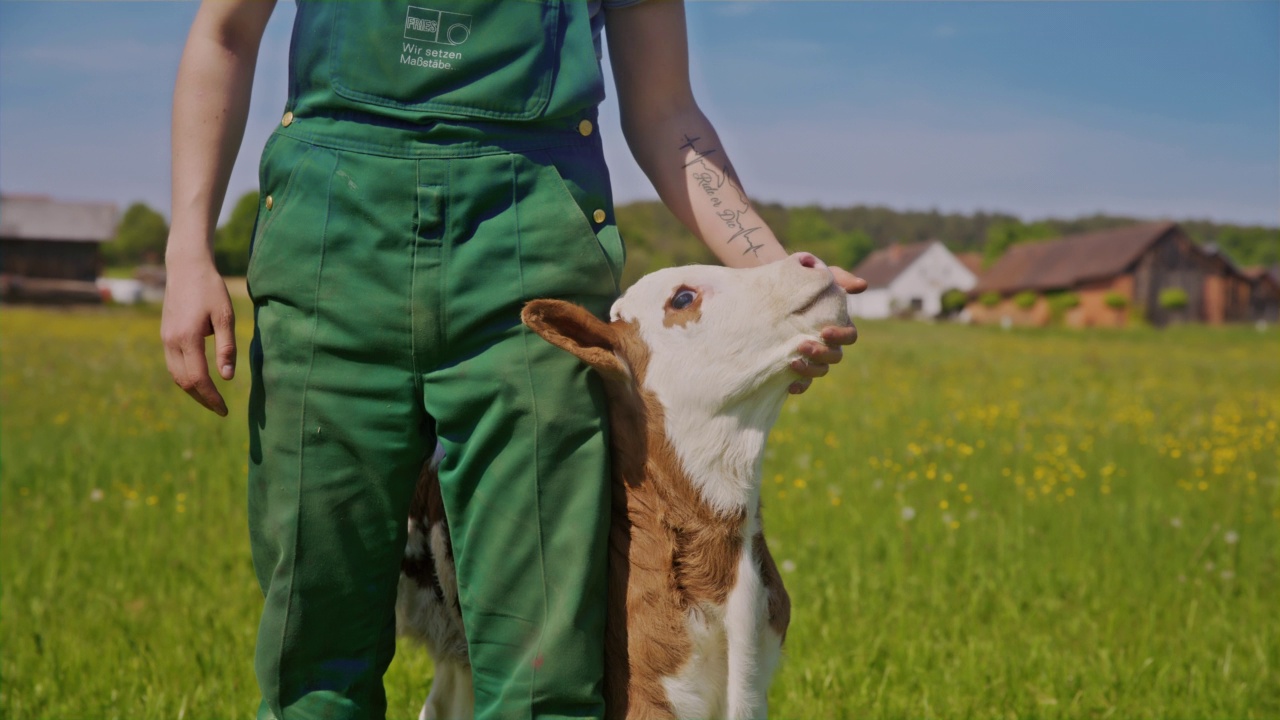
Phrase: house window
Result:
[917,304]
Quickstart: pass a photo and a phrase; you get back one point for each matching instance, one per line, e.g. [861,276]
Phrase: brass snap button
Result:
[585,127]
[269,202]
[598,216]
[287,120]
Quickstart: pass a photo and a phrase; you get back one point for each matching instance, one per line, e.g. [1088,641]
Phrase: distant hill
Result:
[844,236]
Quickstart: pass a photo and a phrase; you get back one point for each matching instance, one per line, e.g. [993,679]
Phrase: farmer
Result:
[433,170]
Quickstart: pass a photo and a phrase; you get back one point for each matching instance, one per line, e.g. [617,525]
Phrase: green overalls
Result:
[436,168]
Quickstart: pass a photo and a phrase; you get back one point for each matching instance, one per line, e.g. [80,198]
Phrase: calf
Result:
[695,362]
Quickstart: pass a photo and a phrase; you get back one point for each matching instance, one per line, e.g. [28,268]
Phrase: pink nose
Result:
[809,260]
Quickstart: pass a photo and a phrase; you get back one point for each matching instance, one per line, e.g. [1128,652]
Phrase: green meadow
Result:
[972,523]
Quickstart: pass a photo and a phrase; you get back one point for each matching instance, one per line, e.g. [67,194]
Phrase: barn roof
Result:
[1262,273]
[971,260]
[1070,260]
[884,265]
[40,217]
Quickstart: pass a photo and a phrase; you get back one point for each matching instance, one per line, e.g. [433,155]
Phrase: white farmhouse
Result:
[909,280]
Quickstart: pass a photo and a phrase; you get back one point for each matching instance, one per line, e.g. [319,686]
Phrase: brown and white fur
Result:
[695,361]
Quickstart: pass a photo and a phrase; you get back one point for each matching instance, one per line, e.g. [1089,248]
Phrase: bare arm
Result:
[210,106]
[672,140]
[680,152]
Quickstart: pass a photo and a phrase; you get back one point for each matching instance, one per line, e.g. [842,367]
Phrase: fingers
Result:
[224,338]
[184,356]
[815,362]
[196,305]
[820,354]
[808,369]
[196,381]
[838,335]
[847,281]
[173,361]
[816,359]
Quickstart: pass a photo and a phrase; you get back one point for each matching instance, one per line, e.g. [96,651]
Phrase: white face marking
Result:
[749,323]
[720,363]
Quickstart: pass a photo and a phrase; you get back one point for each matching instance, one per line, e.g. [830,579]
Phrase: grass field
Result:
[972,524]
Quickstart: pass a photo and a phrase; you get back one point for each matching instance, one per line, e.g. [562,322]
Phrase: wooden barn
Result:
[1264,301]
[50,250]
[1228,295]
[1099,279]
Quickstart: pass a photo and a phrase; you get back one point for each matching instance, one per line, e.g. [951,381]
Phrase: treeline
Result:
[840,236]
[845,236]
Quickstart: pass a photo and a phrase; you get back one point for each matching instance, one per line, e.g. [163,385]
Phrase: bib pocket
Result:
[476,59]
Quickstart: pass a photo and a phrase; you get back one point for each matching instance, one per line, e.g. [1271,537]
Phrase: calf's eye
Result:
[683,299]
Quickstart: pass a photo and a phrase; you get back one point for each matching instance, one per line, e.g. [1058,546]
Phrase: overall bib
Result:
[436,169]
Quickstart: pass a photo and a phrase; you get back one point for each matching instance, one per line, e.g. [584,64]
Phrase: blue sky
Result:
[1151,109]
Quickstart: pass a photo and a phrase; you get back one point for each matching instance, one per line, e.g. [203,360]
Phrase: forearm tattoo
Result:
[724,191]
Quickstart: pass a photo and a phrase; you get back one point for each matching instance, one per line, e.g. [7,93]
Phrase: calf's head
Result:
[703,339]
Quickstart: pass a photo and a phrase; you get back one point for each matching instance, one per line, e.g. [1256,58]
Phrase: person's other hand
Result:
[816,359]
[196,305]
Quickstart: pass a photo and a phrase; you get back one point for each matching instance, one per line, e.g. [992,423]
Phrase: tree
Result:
[809,228]
[1250,245]
[858,245]
[845,236]
[140,237]
[231,242]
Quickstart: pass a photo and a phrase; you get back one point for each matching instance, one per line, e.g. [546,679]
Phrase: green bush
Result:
[1174,298]
[953,301]
[989,299]
[1063,301]
[1025,299]
[1116,300]
[1060,303]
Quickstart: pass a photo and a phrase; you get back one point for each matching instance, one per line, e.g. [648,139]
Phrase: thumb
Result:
[847,281]
[224,337]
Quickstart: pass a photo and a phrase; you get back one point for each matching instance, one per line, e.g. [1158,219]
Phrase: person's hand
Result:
[196,305]
[817,358]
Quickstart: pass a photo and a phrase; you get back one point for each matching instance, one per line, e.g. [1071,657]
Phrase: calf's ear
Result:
[571,327]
